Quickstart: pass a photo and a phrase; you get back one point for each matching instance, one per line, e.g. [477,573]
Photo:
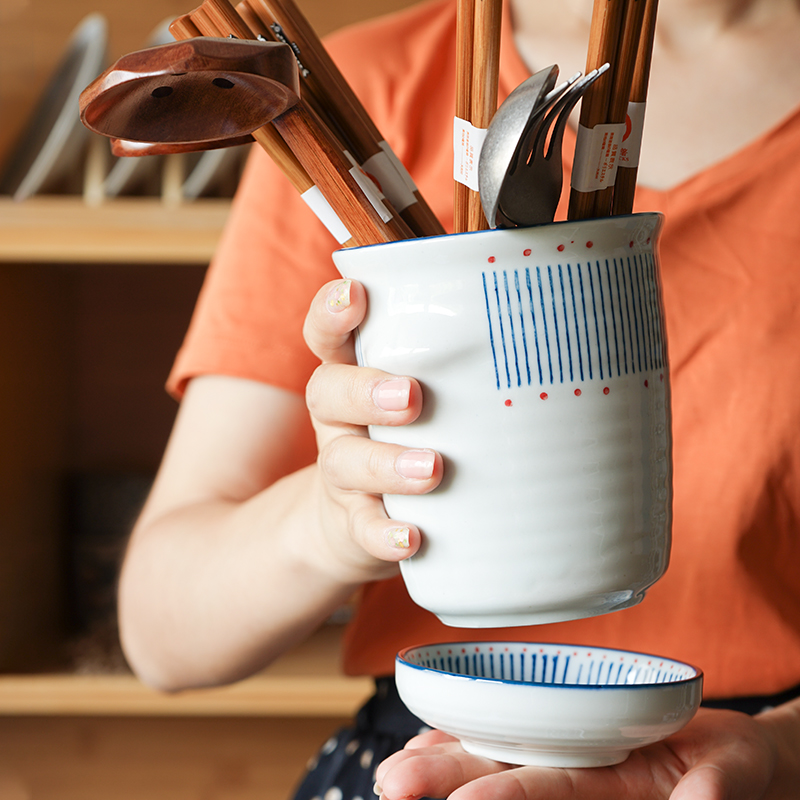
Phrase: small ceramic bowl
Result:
[551,705]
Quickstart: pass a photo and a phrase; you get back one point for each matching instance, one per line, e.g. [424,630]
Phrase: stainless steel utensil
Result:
[532,186]
[505,133]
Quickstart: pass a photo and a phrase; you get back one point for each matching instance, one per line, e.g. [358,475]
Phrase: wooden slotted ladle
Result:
[191,92]
[207,89]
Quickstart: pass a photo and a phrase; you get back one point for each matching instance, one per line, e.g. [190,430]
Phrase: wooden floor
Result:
[156,758]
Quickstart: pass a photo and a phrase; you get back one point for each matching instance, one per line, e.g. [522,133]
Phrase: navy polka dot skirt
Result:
[344,768]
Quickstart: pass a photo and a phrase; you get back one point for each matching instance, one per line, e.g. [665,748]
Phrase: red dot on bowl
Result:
[509,403]
[543,395]
[560,248]
[578,393]
[590,244]
[646,384]
[631,243]
[526,252]
[606,390]
[491,259]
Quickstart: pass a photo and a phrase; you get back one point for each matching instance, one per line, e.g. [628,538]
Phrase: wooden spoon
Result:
[196,91]
[207,89]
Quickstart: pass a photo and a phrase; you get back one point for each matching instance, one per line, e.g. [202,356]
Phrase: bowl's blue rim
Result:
[697,677]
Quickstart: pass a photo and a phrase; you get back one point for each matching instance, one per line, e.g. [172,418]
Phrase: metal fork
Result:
[533,183]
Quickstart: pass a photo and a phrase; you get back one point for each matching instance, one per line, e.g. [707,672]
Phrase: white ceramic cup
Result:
[542,357]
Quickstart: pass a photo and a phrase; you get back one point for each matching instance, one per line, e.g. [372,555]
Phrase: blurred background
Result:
[100,264]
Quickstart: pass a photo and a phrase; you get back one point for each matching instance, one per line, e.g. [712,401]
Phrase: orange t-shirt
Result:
[730,601]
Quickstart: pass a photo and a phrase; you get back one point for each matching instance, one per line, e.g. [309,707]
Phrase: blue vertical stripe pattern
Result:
[552,664]
[572,322]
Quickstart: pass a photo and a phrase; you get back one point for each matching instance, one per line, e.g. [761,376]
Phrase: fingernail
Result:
[399,538]
[416,464]
[338,298]
[393,394]
[377,789]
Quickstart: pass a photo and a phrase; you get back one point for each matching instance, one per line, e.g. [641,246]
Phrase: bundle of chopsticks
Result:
[612,110]
[331,164]
[334,155]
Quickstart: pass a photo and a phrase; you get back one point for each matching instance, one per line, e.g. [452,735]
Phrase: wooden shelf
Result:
[64,229]
[306,682]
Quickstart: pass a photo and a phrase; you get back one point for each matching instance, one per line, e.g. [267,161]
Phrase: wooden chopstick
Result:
[621,82]
[604,33]
[336,102]
[625,186]
[465,32]
[487,20]
[183,28]
[313,145]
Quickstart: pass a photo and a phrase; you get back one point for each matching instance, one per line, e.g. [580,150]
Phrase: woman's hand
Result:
[720,755]
[354,470]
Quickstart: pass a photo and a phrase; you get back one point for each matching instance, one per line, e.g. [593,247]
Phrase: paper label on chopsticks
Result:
[384,171]
[316,201]
[370,189]
[399,166]
[597,156]
[632,139]
[467,144]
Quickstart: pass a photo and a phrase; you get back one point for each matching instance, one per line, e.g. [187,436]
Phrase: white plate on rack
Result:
[128,173]
[54,137]
[214,167]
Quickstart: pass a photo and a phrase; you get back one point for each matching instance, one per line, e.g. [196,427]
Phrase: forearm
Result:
[213,591]
[783,727]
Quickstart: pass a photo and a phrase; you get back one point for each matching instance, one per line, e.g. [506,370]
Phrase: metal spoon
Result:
[504,134]
[532,187]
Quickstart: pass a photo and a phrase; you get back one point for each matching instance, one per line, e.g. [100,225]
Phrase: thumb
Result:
[335,312]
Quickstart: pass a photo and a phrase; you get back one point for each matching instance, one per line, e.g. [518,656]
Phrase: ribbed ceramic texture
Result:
[543,360]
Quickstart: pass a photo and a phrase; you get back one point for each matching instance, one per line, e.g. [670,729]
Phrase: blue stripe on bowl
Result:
[552,665]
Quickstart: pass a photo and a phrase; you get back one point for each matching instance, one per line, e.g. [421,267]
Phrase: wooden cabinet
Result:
[94,300]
